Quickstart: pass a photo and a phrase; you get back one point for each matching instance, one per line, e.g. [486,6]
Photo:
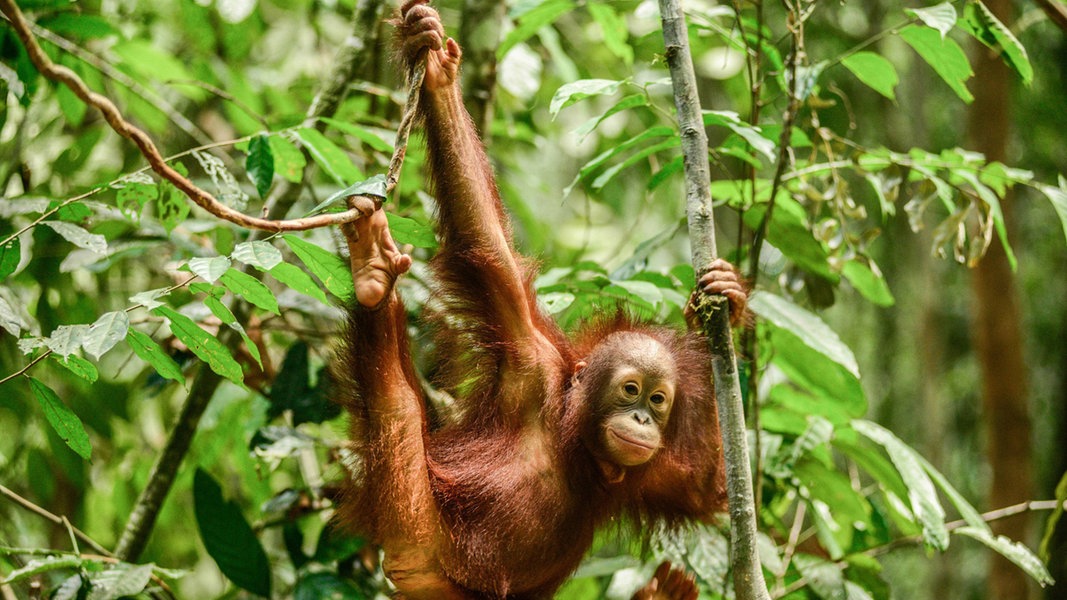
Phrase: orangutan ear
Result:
[578,368]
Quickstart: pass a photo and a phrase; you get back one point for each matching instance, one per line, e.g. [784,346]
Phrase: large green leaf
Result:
[327,266]
[10,255]
[806,326]
[64,422]
[533,20]
[228,537]
[981,23]
[921,493]
[150,352]
[296,279]
[410,231]
[251,289]
[204,345]
[289,161]
[332,159]
[946,57]
[572,92]
[79,366]
[259,164]
[875,71]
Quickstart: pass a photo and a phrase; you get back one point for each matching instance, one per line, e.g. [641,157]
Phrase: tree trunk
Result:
[998,332]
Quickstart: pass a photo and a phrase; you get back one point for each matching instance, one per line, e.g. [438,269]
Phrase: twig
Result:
[30,506]
[749,583]
[114,118]
[26,368]
[1056,11]
[915,540]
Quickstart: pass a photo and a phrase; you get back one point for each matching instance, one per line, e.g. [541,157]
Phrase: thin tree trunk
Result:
[998,331]
[749,583]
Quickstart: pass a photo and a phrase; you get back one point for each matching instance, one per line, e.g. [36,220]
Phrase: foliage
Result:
[132,296]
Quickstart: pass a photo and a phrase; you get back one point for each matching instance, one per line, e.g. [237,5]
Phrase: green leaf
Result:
[332,159]
[251,289]
[172,207]
[807,326]
[289,161]
[315,586]
[941,17]
[921,493]
[79,236]
[874,71]
[225,315]
[750,134]
[155,64]
[532,21]
[366,136]
[981,23]
[133,195]
[259,254]
[228,537]
[204,345]
[1016,552]
[788,230]
[63,420]
[614,29]
[575,91]
[610,173]
[631,101]
[40,566]
[209,269]
[1058,197]
[150,352]
[79,366]
[1045,549]
[410,231]
[943,54]
[259,164]
[10,255]
[868,282]
[327,266]
[297,280]
[105,332]
[119,581]
[374,186]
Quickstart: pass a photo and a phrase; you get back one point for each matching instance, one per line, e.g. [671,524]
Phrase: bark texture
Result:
[998,331]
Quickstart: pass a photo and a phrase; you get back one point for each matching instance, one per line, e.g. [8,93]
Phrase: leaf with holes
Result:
[259,254]
[105,332]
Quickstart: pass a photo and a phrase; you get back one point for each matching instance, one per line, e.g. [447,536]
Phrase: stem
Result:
[144,143]
[747,572]
[30,506]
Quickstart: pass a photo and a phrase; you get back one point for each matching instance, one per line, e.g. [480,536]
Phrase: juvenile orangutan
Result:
[554,437]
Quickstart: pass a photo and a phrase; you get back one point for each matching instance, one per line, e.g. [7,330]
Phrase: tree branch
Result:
[748,578]
[144,143]
[41,512]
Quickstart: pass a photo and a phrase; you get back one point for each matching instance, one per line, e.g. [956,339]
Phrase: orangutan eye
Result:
[658,398]
[632,388]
